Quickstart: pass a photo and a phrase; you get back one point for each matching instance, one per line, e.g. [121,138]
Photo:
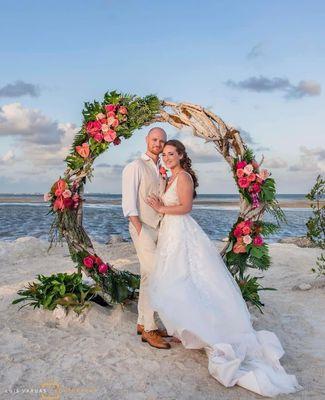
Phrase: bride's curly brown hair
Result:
[185,161]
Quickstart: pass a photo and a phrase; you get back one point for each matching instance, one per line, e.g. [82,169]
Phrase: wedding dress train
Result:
[200,303]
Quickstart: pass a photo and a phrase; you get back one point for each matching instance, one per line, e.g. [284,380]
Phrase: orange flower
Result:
[239,248]
[83,150]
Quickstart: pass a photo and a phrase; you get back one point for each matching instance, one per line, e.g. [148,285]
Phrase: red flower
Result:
[241,164]
[117,141]
[68,202]
[110,107]
[237,232]
[58,204]
[255,188]
[246,230]
[92,127]
[88,262]
[98,137]
[102,268]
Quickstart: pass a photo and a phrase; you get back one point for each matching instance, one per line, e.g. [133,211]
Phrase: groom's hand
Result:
[135,221]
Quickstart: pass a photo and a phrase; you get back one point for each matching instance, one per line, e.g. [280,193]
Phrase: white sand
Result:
[101,357]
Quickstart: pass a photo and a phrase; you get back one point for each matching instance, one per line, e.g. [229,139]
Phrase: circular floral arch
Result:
[105,125]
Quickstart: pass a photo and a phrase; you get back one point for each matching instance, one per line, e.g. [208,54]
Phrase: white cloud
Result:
[275,162]
[310,160]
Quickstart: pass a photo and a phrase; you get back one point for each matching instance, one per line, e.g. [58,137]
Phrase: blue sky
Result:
[259,65]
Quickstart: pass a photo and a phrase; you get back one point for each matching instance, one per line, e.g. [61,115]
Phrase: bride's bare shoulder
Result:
[185,178]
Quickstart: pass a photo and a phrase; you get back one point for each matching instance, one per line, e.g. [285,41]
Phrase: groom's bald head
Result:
[156,138]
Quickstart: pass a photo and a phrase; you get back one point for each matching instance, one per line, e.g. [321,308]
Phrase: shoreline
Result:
[305,204]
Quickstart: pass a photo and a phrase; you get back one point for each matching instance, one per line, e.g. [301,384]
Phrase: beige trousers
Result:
[145,245]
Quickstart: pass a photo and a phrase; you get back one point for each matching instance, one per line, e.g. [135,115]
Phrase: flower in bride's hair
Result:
[88,262]
[163,172]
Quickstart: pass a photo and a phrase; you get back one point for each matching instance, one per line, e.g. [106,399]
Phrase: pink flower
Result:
[110,107]
[246,230]
[110,135]
[111,114]
[239,247]
[241,164]
[248,169]
[83,150]
[163,172]
[102,268]
[115,123]
[264,174]
[98,137]
[247,239]
[240,173]
[243,182]
[258,241]
[67,193]
[123,110]
[110,120]
[105,128]
[93,127]
[47,196]
[117,141]
[100,116]
[251,177]
[76,197]
[88,262]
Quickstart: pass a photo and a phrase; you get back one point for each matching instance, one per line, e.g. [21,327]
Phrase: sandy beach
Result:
[99,356]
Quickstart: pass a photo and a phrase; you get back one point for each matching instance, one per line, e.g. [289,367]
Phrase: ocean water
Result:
[26,215]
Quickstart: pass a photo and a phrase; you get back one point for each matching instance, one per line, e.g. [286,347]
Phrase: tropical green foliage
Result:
[63,289]
[316,223]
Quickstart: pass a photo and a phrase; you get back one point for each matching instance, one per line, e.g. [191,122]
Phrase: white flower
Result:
[247,239]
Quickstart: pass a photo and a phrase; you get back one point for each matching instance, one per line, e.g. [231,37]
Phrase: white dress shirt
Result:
[130,185]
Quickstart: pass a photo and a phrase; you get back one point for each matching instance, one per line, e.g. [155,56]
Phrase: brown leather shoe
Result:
[155,340]
[161,332]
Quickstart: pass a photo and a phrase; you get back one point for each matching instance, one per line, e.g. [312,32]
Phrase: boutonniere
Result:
[163,172]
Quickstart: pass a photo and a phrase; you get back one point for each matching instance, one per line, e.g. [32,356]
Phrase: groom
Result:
[141,178]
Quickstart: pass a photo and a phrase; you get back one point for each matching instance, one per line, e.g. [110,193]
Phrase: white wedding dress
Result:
[200,303]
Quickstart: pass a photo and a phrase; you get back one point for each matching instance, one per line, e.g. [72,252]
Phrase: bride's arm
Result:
[185,196]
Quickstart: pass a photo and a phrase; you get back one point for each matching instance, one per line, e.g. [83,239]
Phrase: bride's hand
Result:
[155,203]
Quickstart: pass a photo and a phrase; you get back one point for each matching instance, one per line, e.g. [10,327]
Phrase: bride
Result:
[197,298]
